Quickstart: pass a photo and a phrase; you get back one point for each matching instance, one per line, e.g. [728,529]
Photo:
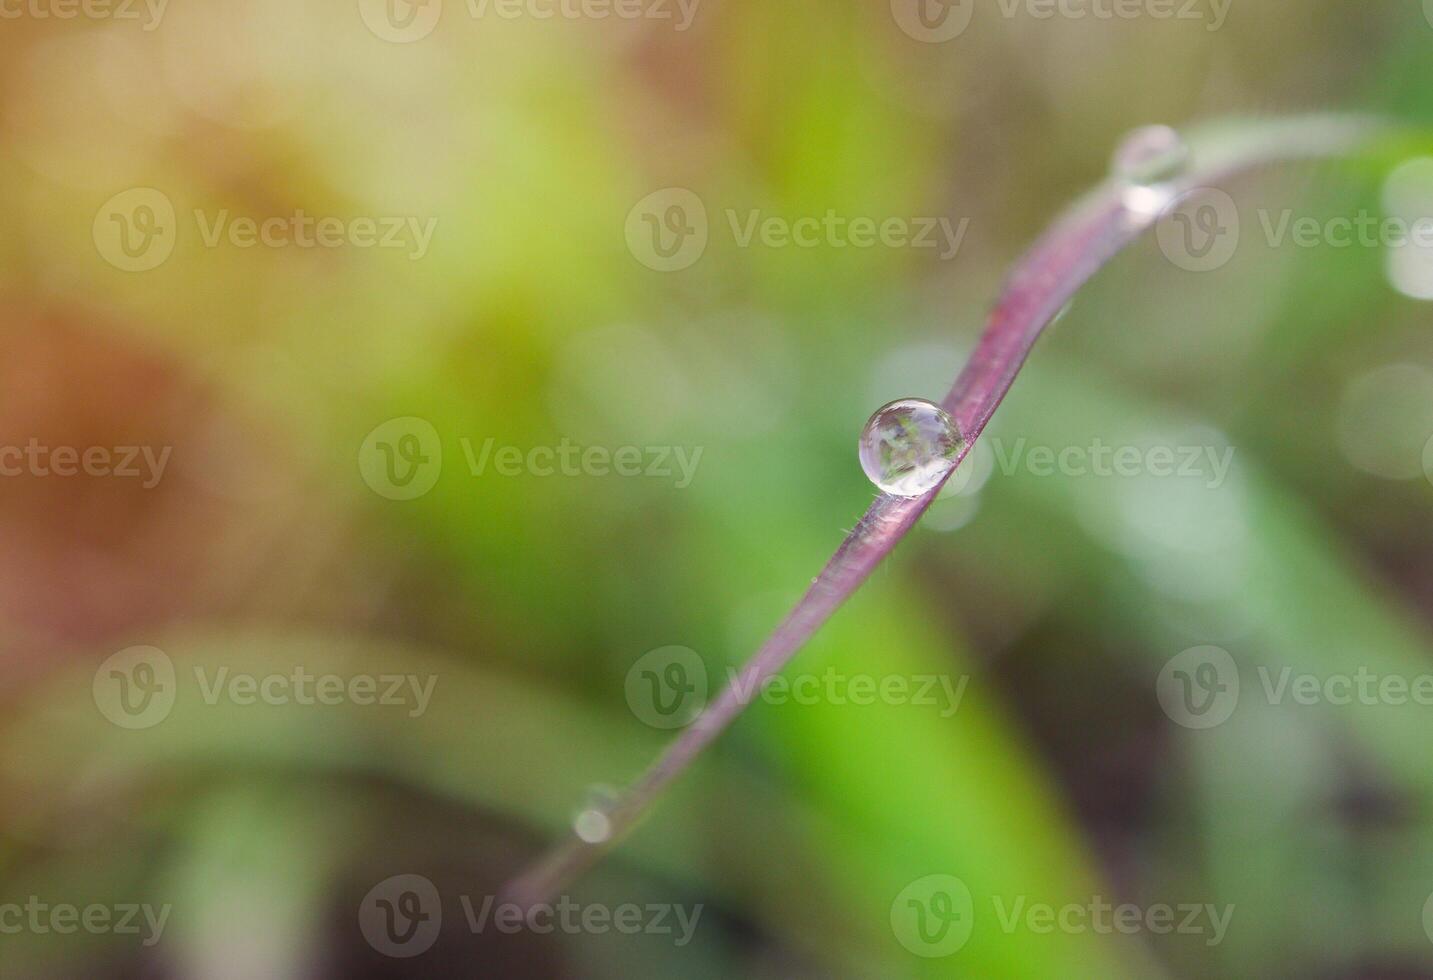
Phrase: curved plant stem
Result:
[1074,248]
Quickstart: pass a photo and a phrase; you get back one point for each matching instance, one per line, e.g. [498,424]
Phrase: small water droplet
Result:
[909,446]
[1147,164]
[593,823]
[1151,155]
[592,826]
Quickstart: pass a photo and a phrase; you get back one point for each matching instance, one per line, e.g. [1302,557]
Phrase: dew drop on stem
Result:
[909,446]
[1147,163]
[1151,155]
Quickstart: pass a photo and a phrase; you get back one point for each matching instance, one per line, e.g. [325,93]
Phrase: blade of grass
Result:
[1075,247]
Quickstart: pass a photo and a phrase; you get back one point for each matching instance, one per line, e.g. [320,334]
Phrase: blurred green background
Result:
[158,752]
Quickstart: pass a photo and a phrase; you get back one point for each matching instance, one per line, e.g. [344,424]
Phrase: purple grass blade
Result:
[1074,248]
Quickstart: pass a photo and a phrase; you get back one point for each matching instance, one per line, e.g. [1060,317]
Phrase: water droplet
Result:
[593,823]
[1147,163]
[592,826]
[1408,197]
[1151,155]
[909,446]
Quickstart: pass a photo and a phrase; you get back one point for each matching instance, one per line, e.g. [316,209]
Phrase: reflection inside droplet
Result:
[909,446]
[1151,155]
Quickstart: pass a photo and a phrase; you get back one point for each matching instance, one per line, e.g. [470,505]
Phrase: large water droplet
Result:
[1151,155]
[909,446]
